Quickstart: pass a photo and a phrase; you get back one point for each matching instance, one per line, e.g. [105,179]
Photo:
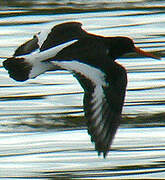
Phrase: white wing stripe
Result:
[98,96]
[97,113]
[97,77]
[44,55]
[50,53]
[37,59]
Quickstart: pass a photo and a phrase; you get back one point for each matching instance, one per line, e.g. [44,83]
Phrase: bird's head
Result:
[119,46]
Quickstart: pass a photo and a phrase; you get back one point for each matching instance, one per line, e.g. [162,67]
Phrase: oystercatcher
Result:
[91,59]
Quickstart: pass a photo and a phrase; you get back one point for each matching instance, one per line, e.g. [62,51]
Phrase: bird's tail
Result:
[22,69]
[18,68]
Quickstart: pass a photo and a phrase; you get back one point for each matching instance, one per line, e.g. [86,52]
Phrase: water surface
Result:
[42,127]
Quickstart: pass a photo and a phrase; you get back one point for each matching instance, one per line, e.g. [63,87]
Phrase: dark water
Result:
[40,120]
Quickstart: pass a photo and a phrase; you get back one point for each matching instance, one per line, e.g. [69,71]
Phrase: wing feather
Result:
[104,117]
[50,38]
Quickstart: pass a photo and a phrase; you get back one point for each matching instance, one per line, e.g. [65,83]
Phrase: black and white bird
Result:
[91,59]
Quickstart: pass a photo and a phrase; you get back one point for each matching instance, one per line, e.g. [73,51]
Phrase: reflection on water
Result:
[135,154]
[32,112]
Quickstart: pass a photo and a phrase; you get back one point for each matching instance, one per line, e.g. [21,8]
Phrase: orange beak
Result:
[140,51]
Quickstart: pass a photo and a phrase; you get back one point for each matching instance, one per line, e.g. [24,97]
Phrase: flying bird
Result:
[91,60]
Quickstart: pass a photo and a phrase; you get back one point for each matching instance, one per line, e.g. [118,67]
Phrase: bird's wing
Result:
[103,99]
[51,37]
[103,107]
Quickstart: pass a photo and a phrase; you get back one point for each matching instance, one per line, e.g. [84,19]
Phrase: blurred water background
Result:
[42,128]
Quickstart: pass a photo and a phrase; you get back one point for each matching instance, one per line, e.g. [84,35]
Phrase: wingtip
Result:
[105,154]
[102,153]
